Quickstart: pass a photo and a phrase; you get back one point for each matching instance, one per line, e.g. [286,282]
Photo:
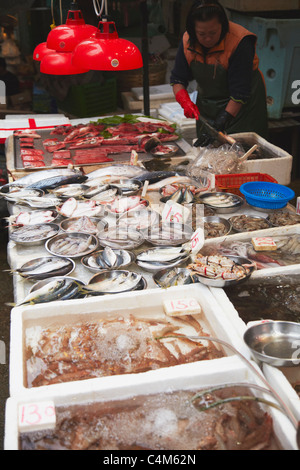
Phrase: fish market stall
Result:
[140,259]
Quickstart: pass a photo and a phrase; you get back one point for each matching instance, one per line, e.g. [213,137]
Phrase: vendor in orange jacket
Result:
[221,56]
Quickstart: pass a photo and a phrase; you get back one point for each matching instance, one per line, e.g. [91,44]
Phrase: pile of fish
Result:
[33,217]
[247,223]
[162,257]
[108,259]
[113,282]
[174,277]
[72,244]
[34,233]
[64,288]
[121,238]
[168,234]
[45,267]
[74,208]
[221,200]
[80,224]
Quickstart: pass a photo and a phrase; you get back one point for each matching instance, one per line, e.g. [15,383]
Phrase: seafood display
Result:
[114,282]
[222,202]
[287,251]
[70,190]
[273,298]
[29,234]
[166,420]
[46,267]
[82,224]
[283,217]
[33,217]
[167,234]
[114,346]
[75,208]
[247,223]
[218,267]
[139,219]
[164,150]
[19,194]
[58,288]
[108,259]
[121,238]
[174,277]
[216,227]
[162,257]
[123,204]
[73,244]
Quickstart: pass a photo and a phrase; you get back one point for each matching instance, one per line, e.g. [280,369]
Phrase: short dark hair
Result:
[205,10]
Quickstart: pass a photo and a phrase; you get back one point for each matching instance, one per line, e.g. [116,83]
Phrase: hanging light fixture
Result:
[105,50]
[65,37]
[60,63]
[40,51]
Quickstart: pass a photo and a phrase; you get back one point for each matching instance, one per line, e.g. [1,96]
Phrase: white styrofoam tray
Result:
[149,304]
[279,166]
[281,379]
[190,378]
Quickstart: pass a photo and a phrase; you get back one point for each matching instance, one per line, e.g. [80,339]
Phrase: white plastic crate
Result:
[191,378]
[148,304]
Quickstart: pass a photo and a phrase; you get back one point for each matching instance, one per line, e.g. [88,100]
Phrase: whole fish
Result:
[45,174]
[155,176]
[119,282]
[46,293]
[56,181]
[42,268]
[117,169]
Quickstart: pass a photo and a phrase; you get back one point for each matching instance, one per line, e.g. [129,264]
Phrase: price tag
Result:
[37,415]
[197,240]
[174,212]
[177,307]
[134,157]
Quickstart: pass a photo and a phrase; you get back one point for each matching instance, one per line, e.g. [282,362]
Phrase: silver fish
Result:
[118,169]
[31,233]
[47,293]
[118,281]
[42,268]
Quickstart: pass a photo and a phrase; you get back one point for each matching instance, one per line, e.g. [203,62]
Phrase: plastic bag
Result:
[222,160]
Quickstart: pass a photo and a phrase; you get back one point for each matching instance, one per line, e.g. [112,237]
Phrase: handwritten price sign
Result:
[34,416]
[197,240]
[177,307]
[175,213]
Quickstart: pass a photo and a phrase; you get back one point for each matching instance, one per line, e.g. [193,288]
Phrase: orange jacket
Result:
[221,53]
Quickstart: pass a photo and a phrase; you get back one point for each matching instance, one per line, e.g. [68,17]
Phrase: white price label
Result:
[197,240]
[174,212]
[187,306]
[37,415]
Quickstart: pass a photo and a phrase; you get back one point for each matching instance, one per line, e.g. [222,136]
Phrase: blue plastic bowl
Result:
[266,195]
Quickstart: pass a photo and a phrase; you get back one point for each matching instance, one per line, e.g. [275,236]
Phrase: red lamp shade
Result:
[40,51]
[60,63]
[65,37]
[106,51]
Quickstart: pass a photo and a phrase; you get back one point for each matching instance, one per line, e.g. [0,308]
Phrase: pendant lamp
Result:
[60,63]
[65,37]
[40,51]
[106,51]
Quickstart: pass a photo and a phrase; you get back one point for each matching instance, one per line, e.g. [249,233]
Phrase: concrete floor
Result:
[6,292]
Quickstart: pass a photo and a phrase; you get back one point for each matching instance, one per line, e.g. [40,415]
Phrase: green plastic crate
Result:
[92,99]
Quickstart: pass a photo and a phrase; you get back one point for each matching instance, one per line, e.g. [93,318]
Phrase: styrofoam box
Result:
[281,379]
[146,303]
[279,167]
[211,373]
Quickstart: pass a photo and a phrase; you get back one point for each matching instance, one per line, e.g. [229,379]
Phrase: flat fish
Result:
[120,170]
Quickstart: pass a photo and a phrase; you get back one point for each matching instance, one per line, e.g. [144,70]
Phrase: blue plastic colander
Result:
[266,195]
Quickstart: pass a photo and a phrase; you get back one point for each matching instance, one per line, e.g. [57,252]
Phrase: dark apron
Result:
[213,96]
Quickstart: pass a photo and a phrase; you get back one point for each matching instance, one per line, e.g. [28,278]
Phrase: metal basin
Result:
[275,342]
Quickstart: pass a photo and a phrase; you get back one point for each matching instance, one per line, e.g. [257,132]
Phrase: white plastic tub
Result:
[191,378]
[148,304]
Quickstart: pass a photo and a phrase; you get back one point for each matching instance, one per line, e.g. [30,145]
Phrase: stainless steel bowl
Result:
[214,219]
[174,277]
[65,224]
[248,265]
[111,274]
[128,258]
[167,233]
[123,184]
[275,342]
[50,244]
[36,241]
[263,219]
[237,202]
[24,269]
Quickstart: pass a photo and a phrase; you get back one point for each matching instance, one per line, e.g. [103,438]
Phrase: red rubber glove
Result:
[190,109]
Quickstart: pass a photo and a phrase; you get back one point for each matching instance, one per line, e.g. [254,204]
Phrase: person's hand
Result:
[190,110]
[204,140]
[222,120]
